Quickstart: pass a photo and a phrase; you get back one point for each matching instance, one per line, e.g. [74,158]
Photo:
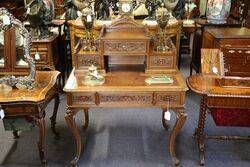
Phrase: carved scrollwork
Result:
[125,47]
[82,98]
[124,98]
[7,20]
[87,61]
[166,98]
[166,61]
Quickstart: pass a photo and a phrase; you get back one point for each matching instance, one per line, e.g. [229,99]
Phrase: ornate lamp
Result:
[88,21]
[162,18]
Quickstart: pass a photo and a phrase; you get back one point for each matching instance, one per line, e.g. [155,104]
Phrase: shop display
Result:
[190,5]
[218,11]
[170,5]
[152,6]
[39,14]
[101,8]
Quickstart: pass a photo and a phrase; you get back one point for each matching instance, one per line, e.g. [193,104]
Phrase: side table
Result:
[31,104]
[216,96]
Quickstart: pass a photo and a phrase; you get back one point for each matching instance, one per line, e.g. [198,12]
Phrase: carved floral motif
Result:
[87,61]
[82,98]
[125,47]
[166,61]
[166,98]
[124,98]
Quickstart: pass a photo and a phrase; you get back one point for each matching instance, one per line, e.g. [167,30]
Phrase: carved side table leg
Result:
[86,119]
[180,120]
[53,117]
[40,122]
[199,132]
[164,121]
[69,117]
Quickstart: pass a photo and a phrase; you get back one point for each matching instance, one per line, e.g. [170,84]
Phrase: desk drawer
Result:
[83,99]
[84,61]
[125,47]
[174,99]
[125,99]
[19,110]
[161,62]
[40,57]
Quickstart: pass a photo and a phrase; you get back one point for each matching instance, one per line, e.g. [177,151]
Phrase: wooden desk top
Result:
[45,80]
[229,32]
[124,81]
[208,85]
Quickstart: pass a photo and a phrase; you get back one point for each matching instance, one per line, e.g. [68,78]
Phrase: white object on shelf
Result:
[149,22]
[21,62]
[2,62]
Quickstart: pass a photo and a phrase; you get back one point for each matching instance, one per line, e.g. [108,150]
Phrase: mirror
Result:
[23,43]
[20,60]
[2,62]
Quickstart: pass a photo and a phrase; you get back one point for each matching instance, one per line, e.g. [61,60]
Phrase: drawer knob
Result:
[231,51]
[37,56]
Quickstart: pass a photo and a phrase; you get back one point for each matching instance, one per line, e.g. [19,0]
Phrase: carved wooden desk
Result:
[121,90]
[31,104]
[215,96]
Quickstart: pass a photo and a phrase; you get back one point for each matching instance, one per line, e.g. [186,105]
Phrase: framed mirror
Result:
[2,53]
[22,47]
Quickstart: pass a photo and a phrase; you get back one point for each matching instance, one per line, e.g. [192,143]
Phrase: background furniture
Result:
[30,105]
[43,51]
[125,84]
[16,7]
[201,24]
[226,97]
[47,49]
[234,43]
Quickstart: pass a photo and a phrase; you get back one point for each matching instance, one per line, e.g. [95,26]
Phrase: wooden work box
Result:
[235,45]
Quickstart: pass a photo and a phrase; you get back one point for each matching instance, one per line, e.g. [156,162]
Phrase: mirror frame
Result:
[13,81]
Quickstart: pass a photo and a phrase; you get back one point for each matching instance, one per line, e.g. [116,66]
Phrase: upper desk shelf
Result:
[123,43]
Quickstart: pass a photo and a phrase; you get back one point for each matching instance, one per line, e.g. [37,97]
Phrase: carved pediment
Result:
[125,24]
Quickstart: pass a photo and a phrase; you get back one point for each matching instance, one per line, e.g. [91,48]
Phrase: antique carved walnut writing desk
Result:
[125,47]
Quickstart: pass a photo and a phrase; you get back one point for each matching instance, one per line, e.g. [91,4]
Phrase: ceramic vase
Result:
[218,11]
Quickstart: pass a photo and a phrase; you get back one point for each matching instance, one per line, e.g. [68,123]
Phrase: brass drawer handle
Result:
[231,51]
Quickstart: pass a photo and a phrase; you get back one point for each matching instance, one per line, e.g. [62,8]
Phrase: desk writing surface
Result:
[45,80]
[125,81]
